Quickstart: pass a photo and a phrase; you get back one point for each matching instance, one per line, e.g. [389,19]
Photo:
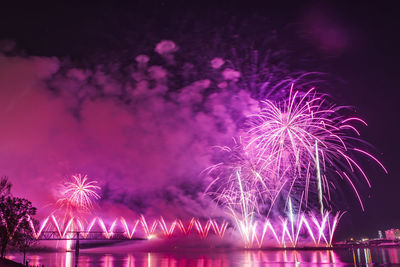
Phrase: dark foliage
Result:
[15,214]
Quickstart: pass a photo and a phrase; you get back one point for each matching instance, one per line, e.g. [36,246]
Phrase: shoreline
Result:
[10,263]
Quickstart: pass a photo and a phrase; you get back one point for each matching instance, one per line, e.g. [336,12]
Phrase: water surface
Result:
[345,257]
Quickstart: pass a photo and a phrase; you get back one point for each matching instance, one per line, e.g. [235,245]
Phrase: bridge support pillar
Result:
[77,244]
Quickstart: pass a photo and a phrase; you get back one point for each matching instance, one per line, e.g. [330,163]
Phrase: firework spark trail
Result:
[291,216]
[278,232]
[299,227]
[233,188]
[320,192]
[86,231]
[37,234]
[129,233]
[203,231]
[149,231]
[168,231]
[108,233]
[184,230]
[219,230]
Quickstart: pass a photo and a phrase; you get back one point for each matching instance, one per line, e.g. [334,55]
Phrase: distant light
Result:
[151,237]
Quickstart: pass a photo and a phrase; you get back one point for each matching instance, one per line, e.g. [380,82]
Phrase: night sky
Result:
[357,45]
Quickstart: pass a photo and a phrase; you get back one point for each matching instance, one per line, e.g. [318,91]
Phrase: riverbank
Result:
[9,263]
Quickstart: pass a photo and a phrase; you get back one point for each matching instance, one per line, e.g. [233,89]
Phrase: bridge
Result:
[91,236]
[53,228]
[283,232]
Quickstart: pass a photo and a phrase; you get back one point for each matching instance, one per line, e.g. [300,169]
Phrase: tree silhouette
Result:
[15,214]
[5,186]
[25,238]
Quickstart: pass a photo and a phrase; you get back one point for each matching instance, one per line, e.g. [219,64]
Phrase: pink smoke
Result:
[59,121]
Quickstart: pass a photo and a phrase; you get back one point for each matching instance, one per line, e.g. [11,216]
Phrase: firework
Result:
[306,141]
[289,160]
[239,185]
[79,193]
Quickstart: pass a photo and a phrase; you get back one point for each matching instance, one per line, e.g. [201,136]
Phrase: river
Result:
[217,257]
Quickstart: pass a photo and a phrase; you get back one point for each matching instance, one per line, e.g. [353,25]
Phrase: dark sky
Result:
[356,43]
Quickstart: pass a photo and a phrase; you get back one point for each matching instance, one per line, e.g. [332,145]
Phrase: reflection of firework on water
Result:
[79,193]
[293,149]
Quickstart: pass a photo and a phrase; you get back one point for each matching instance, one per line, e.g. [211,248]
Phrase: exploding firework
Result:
[79,193]
[306,141]
[239,186]
[289,161]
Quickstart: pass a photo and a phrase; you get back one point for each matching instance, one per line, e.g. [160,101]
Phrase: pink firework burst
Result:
[307,141]
[79,193]
[295,153]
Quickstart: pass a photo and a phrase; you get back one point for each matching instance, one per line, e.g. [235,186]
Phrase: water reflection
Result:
[107,260]
[393,255]
[355,257]
[130,261]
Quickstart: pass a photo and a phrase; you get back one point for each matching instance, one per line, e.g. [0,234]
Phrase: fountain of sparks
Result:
[265,234]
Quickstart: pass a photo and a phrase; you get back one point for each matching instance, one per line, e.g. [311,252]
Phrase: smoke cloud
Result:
[129,127]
